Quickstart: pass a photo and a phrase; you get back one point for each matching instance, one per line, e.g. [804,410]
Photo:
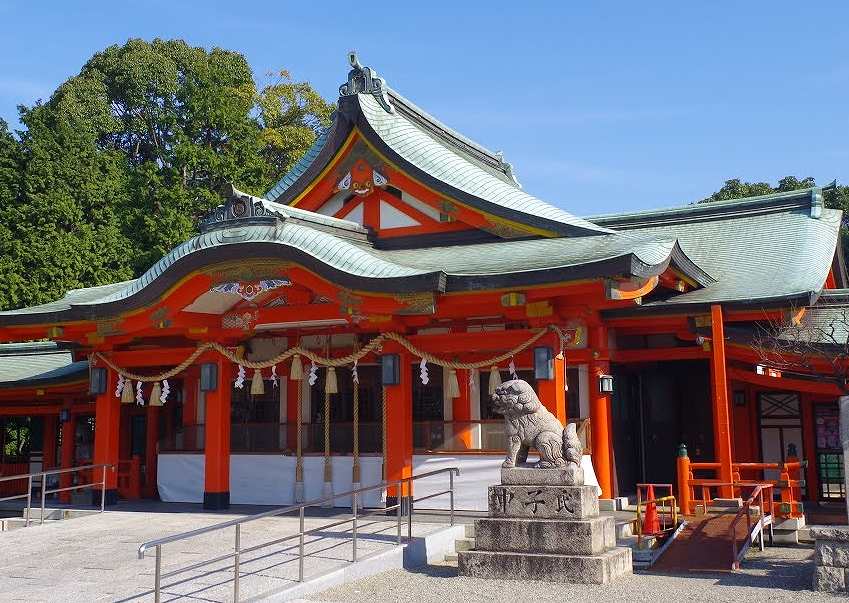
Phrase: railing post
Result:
[103,491]
[354,528]
[683,467]
[29,499]
[157,575]
[399,512]
[238,547]
[451,493]
[301,547]
[43,496]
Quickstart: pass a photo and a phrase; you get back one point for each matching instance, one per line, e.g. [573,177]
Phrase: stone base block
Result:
[556,536]
[612,504]
[543,502]
[597,569]
[532,476]
[830,579]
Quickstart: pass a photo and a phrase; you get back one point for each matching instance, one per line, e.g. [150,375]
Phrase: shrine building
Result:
[352,323]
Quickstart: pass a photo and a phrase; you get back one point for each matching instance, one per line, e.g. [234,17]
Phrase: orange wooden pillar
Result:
[107,430]
[67,454]
[151,449]
[600,415]
[216,489]
[552,392]
[399,428]
[721,412]
[51,423]
[461,410]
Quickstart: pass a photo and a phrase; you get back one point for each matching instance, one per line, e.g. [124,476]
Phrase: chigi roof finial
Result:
[364,80]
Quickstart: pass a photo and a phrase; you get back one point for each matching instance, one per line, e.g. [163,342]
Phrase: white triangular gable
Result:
[393,218]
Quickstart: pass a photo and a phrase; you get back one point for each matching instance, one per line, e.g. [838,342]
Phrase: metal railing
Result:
[356,515]
[764,519]
[666,506]
[45,491]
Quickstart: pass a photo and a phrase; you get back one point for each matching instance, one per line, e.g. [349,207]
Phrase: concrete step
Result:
[625,529]
[470,530]
[464,544]
[451,558]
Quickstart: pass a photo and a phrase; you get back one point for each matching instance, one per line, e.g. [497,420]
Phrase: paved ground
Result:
[94,558]
[778,574]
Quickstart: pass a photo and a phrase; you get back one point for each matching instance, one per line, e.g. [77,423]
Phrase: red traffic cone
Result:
[651,523]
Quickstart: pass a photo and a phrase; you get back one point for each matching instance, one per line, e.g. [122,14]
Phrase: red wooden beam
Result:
[786,383]
[659,354]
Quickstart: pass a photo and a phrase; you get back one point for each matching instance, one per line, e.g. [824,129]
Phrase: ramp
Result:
[703,545]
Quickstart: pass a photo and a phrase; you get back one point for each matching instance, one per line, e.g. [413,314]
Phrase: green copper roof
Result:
[758,249]
[37,364]
[247,227]
[429,150]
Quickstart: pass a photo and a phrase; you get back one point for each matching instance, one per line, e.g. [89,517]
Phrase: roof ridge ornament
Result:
[364,80]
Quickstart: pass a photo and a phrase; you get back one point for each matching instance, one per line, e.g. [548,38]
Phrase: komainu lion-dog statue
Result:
[529,424]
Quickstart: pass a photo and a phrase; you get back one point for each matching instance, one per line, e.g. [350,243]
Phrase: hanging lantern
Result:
[257,385]
[494,379]
[453,385]
[330,384]
[296,372]
[127,393]
[155,395]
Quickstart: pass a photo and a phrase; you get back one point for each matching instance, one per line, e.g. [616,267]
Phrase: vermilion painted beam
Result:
[786,383]
[107,435]
[659,354]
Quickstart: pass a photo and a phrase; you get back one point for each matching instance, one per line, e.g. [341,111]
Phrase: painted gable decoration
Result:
[249,290]
[362,179]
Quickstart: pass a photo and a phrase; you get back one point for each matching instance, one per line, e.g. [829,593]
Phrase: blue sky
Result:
[600,107]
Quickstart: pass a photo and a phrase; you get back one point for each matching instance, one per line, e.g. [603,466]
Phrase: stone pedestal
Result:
[832,557]
[541,529]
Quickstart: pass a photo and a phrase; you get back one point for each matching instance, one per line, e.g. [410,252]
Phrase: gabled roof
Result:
[37,365]
[341,251]
[430,152]
[761,250]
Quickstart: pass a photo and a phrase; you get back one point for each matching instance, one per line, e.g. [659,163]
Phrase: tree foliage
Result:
[115,169]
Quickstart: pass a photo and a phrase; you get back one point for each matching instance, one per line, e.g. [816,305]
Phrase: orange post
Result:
[107,425]
[683,470]
[721,418]
[552,392]
[216,489]
[602,454]
[399,427]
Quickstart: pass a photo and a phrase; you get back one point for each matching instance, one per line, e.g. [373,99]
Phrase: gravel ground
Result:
[777,574]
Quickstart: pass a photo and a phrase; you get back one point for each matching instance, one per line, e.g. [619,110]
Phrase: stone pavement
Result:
[777,574]
[94,558]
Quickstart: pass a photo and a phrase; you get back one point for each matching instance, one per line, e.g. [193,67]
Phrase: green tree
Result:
[115,169]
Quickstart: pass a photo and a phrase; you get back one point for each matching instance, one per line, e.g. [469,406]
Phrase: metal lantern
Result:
[391,369]
[543,363]
[605,384]
[97,381]
[208,377]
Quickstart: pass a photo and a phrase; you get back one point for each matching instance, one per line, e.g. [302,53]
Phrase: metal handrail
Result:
[764,519]
[44,491]
[237,524]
